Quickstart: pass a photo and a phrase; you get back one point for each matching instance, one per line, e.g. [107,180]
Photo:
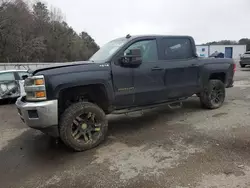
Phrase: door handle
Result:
[157,69]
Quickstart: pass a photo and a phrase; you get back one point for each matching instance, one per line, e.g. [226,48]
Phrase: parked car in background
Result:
[245,59]
[11,83]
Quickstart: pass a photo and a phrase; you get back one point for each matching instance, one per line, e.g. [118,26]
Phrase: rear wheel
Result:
[83,126]
[242,66]
[213,95]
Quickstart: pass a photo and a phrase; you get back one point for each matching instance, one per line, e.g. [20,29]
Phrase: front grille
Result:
[30,94]
[28,82]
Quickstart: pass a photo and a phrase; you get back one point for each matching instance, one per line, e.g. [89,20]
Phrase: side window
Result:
[8,76]
[176,48]
[148,50]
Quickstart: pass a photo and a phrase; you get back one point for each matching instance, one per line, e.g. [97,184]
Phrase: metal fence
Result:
[22,66]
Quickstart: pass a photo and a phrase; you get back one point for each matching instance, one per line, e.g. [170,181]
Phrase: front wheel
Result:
[242,66]
[83,126]
[213,95]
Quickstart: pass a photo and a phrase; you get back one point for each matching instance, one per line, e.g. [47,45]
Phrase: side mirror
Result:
[132,58]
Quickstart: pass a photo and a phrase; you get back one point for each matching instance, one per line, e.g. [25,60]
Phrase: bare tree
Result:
[33,33]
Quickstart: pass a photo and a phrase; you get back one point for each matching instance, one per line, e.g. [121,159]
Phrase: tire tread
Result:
[66,120]
[204,97]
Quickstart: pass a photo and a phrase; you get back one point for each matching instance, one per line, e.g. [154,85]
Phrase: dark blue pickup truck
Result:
[71,100]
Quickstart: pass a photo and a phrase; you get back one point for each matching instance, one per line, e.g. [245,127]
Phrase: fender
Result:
[59,82]
[211,68]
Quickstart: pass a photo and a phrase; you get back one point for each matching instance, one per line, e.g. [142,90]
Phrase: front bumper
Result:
[38,115]
[245,62]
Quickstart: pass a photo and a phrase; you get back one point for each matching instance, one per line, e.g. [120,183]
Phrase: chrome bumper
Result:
[38,115]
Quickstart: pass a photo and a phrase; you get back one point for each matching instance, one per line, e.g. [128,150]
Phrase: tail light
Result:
[234,67]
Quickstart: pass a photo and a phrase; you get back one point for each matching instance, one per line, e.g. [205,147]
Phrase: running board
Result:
[175,105]
[171,104]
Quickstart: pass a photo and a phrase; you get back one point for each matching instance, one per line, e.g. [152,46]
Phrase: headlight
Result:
[35,88]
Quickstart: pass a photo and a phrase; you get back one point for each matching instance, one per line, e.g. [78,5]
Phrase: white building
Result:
[229,51]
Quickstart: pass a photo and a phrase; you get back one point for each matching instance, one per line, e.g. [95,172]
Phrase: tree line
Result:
[36,34]
[244,41]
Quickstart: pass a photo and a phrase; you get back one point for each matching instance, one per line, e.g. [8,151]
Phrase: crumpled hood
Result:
[9,89]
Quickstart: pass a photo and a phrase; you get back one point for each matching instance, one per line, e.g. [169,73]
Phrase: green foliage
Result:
[223,42]
[39,35]
[245,41]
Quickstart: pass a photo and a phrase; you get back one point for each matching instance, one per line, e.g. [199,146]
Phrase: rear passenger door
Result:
[181,65]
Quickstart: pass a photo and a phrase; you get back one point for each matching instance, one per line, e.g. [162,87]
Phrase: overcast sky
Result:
[205,20]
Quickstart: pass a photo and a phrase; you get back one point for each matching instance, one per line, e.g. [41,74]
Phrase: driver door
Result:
[148,78]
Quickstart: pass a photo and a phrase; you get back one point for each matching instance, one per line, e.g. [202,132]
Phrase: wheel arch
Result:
[218,76]
[96,93]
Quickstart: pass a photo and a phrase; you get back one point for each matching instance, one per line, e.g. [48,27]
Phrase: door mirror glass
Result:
[132,57]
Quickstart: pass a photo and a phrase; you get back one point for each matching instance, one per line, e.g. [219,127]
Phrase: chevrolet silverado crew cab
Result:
[71,100]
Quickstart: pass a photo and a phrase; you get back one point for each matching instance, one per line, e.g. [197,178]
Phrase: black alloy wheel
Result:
[213,95]
[83,126]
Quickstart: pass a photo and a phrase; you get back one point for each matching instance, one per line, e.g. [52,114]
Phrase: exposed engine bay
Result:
[9,89]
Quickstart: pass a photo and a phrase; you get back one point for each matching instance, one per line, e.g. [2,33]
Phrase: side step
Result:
[171,104]
[175,105]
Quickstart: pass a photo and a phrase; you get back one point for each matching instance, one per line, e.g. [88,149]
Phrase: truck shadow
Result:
[37,146]
[118,124]
[7,101]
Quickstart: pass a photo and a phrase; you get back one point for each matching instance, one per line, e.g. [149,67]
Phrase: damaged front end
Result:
[9,89]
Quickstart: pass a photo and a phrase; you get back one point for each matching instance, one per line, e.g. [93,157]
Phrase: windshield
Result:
[107,50]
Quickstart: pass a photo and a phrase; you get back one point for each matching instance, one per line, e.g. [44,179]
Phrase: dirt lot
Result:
[188,147]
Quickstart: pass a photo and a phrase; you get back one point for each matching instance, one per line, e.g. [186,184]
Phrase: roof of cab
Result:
[130,37]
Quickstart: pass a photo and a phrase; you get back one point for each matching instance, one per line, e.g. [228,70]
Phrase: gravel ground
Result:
[181,148]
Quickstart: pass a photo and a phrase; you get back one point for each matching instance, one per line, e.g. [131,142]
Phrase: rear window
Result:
[176,48]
